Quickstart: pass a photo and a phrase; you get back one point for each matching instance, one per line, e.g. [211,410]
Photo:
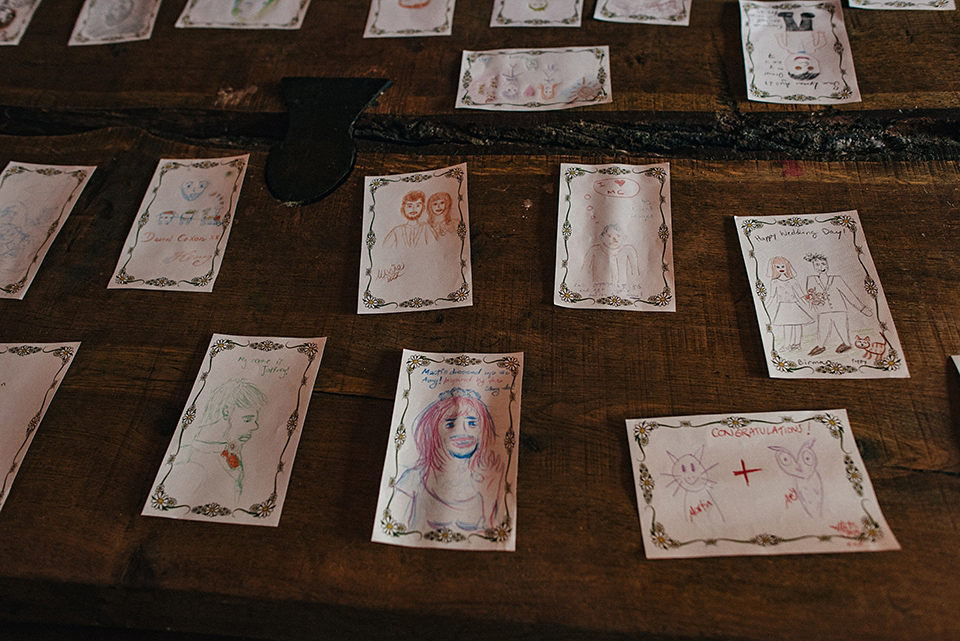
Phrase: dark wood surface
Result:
[74,550]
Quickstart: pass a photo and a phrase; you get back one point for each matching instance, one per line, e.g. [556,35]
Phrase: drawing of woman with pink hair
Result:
[457,479]
[787,304]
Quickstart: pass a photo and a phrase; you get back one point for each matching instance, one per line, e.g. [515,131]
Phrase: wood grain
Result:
[74,550]
[903,59]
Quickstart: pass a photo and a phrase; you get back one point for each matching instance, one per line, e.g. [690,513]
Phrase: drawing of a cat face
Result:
[862,343]
[689,472]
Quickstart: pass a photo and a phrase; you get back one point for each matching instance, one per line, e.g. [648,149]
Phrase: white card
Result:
[416,250]
[15,15]
[409,18]
[797,53]
[450,472]
[536,13]
[534,79]
[35,201]
[753,484]
[921,5]
[182,227]
[819,301]
[231,455]
[614,240]
[669,12]
[244,14]
[106,21]
[30,374]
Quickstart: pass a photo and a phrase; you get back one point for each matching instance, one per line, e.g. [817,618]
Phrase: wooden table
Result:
[73,548]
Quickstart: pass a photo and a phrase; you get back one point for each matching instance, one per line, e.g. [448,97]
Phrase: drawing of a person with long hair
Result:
[787,305]
[414,231]
[439,207]
[458,476]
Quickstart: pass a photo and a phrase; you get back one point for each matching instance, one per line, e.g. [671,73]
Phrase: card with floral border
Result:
[534,79]
[30,374]
[244,14]
[797,52]
[614,243]
[668,12]
[753,484]
[15,15]
[820,306]
[182,227]
[450,471]
[928,5]
[35,201]
[107,21]
[537,13]
[416,248]
[409,18]
[230,458]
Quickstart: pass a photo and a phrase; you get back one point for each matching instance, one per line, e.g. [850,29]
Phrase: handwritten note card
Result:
[181,230]
[450,473]
[669,12]
[534,80]
[15,15]
[30,374]
[537,13]
[409,18]
[106,21]
[416,248]
[797,52]
[35,201]
[819,302]
[244,14]
[231,455]
[753,484]
[614,247]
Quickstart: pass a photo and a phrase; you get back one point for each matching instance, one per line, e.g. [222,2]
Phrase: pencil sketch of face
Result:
[611,236]
[251,9]
[117,12]
[193,189]
[7,16]
[412,208]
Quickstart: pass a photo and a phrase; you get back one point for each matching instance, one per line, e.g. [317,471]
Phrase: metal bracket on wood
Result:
[318,152]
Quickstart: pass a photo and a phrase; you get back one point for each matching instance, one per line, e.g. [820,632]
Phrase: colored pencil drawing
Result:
[106,21]
[409,18]
[614,248]
[194,193]
[787,484]
[244,14]
[35,201]
[29,378]
[534,80]
[815,291]
[797,53]
[449,475]
[230,457]
[536,13]
[416,249]
[670,12]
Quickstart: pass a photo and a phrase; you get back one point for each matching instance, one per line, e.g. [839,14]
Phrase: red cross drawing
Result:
[744,472]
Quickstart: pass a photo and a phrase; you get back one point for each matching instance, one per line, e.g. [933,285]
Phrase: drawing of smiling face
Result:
[800,66]
[538,5]
[193,189]
[689,473]
[460,433]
